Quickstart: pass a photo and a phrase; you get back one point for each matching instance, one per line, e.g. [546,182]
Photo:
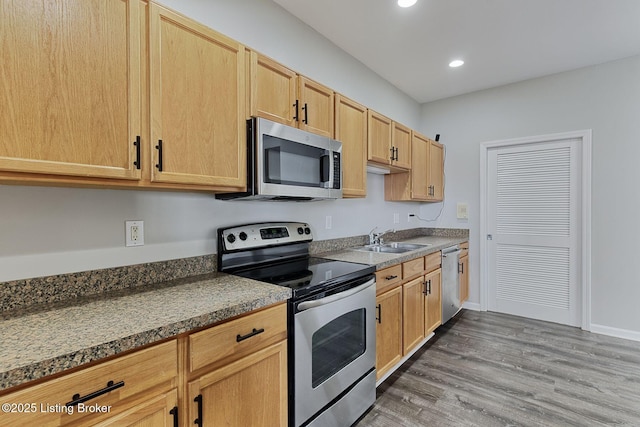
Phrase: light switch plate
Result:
[463,211]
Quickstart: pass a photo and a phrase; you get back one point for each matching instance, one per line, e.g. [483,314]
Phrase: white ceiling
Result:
[501,41]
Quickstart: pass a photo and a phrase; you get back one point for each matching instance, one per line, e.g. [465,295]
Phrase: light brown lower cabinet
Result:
[251,391]
[160,411]
[388,330]
[413,305]
[433,301]
[463,272]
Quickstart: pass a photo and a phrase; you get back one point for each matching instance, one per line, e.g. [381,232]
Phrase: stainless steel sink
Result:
[393,248]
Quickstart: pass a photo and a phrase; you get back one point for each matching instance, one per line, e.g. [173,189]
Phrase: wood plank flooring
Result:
[489,369]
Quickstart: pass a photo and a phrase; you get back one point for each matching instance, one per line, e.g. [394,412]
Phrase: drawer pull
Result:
[249,335]
[110,387]
[391,277]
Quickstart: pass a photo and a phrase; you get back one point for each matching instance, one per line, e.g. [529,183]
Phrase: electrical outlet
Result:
[134,233]
[328,222]
[462,211]
[396,218]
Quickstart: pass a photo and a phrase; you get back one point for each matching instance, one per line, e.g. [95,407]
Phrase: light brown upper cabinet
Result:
[389,143]
[379,138]
[197,80]
[425,180]
[351,130]
[401,145]
[436,171]
[281,95]
[71,98]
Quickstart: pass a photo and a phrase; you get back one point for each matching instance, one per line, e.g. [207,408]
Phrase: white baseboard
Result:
[471,306]
[616,332]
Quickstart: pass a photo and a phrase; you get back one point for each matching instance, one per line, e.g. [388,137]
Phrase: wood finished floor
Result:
[489,369]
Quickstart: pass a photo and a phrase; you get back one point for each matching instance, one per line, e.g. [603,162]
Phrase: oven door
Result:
[295,163]
[334,346]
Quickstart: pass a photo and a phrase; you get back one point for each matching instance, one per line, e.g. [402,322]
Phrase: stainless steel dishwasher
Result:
[450,282]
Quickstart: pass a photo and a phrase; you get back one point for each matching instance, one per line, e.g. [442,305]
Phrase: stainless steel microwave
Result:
[285,163]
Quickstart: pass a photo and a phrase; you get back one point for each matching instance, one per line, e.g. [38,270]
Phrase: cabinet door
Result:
[351,130]
[161,411]
[419,167]
[379,138]
[198,123]
[274,91]
[463,271]
[401,143]
[436,171]
[412,313]
[249,392]
[388,330]
[316,107]
[71,87]
[433,301]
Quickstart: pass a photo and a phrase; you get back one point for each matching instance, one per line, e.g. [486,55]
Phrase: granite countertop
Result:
[37,343]
[382,260]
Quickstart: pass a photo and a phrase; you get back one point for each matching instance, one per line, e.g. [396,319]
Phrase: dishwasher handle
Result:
[452,253]
[327,300]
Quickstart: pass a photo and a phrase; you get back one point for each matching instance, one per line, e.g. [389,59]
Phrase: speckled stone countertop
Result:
[39,341]
[382,260]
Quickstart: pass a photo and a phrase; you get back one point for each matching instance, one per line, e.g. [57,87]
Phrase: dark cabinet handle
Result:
[427,287]
[159,148]
[393,150]
[306,115]
[137,163]
[461,268]
[174,412]
[77,399]
[295,116]
[390,277]
[198,400]
[379,317]
[396,155]
[249,335]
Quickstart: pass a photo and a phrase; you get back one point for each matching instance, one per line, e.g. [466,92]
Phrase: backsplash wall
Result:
[47,231]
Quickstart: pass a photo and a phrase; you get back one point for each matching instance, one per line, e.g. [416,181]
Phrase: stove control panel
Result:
[252,236]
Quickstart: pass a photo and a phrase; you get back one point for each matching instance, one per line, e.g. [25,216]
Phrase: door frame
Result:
[584,137]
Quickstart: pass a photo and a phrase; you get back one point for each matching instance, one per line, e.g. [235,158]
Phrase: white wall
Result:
[46,230]
[604,98]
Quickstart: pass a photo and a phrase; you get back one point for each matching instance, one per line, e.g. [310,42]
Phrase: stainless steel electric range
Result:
[332,332]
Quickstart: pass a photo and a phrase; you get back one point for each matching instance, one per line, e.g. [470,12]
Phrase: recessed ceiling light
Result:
[406,3]
[456,63]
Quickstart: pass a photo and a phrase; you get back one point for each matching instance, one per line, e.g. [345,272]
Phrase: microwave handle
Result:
[325,169]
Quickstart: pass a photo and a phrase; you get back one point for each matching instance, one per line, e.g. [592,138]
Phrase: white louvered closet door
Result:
[533,226]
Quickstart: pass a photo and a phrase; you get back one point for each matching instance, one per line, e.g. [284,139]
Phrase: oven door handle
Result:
[306,305]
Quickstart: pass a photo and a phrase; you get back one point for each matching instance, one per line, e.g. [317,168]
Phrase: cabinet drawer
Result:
[387,278]
[432,261]
[152,368]
[238,337]
[412,268]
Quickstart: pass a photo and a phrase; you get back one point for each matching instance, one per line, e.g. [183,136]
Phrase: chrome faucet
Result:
[376,238]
